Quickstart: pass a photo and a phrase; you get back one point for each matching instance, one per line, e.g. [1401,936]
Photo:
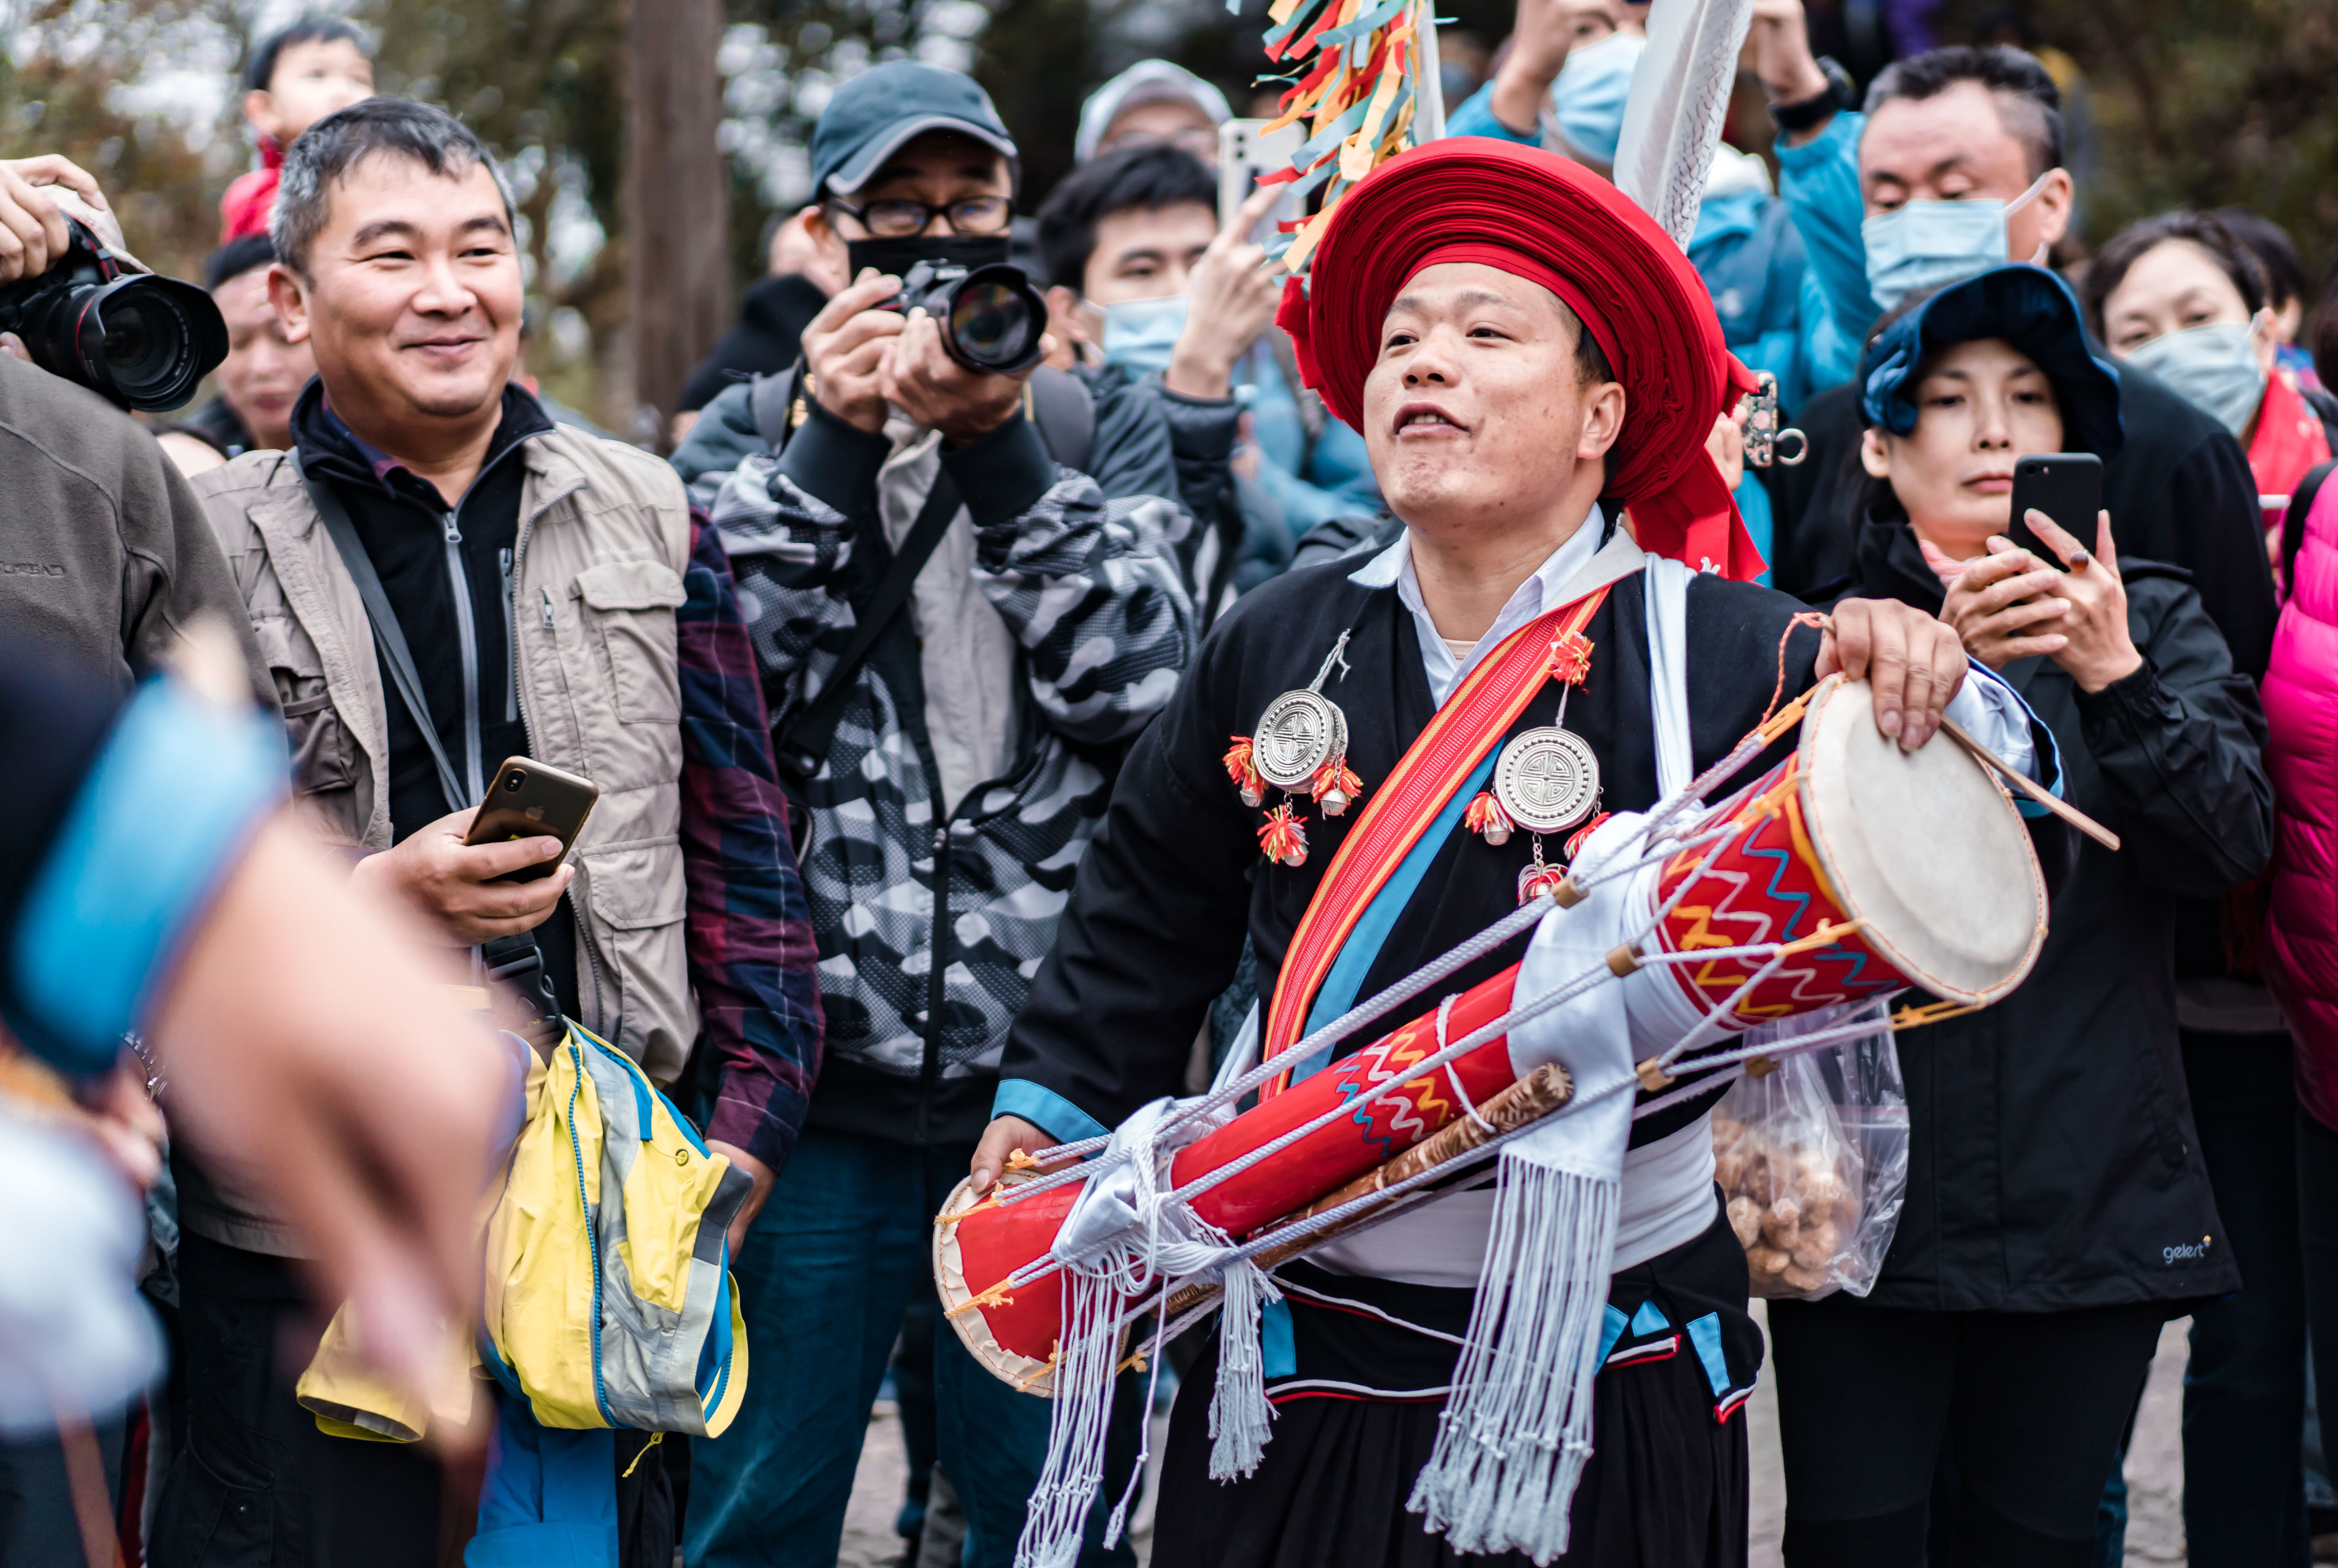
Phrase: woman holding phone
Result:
[2058,1209]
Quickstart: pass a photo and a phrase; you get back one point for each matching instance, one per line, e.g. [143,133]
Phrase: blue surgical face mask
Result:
[1139,335]
[1588,99]
[2214,368]
[1921,245]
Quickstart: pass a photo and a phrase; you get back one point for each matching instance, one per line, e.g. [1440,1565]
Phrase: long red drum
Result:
[1918,862]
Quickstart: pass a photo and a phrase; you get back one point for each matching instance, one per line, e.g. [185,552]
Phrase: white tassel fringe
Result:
[1239,1412]
[1513,1439]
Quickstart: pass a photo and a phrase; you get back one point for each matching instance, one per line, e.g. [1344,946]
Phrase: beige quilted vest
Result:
[604,540]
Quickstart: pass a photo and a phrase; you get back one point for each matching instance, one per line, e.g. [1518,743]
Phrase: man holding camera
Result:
[1023,628]
[440,578]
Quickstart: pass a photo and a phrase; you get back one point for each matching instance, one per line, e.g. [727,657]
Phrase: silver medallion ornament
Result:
[1546,779]
[1299,732]
[1299,748]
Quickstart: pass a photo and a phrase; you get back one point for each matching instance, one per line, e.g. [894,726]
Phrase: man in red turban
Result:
[1531,362]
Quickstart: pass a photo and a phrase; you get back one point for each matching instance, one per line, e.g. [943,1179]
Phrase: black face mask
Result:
[896,257]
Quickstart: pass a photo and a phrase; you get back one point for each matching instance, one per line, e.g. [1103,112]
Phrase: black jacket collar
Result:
[329,448]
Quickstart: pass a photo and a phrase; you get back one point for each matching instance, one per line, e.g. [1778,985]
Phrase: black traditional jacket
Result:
[1175,880]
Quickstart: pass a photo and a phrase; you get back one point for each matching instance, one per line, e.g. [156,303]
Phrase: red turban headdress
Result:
[1540,217]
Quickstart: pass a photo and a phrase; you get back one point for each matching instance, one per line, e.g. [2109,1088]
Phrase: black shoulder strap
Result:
[1063,409]
[517,960]
[802,743]
[2293,522]
[387,634]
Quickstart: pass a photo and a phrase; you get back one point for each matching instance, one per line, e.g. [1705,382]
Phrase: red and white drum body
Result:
[1921,855]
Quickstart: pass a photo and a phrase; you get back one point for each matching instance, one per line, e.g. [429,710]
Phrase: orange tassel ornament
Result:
[1284,836]
[1336,786]
[1485,815]
[1239,769]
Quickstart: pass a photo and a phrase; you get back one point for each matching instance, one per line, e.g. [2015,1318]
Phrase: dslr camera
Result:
[140,340]
[991,318]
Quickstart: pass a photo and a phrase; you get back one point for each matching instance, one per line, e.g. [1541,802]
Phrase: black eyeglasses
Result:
[899,219]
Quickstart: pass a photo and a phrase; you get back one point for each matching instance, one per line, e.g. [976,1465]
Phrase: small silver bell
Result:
[1335,801]
[1498,833]
[1253,797]
[1297,857]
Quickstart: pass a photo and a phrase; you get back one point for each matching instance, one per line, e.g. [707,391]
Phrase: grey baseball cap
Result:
[872,115]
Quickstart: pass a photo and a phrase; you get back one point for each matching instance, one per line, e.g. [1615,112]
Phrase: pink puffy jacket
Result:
[2301,704]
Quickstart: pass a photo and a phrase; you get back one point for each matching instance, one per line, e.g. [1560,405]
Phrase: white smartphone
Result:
[1245,157]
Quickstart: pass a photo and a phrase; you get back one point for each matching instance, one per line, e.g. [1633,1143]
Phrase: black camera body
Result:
[991,318]
[140,340]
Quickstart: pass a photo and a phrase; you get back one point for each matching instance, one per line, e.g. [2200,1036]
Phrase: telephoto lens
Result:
[142,341]
[991,318]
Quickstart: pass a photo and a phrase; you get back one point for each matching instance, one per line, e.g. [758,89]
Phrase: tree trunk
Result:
[676,200]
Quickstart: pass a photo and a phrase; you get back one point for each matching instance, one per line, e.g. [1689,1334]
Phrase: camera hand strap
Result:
[517,960]
[804,744]
[387,634]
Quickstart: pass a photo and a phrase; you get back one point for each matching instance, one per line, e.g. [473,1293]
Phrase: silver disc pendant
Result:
[1546,779]
[1298,733]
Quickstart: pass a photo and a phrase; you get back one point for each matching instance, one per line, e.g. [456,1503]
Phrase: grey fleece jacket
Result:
[104,555]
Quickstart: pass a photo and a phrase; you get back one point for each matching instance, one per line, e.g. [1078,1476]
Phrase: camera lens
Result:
[133,341]
[514,780]
[146,342]
[995,320]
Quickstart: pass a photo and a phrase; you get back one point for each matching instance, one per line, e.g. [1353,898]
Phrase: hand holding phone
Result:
[533,799]
[2067,487]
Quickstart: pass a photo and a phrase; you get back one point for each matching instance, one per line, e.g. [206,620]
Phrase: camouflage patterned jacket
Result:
[1101,625]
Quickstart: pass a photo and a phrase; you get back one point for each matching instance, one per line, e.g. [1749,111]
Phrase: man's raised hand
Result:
[1231,301]
[846,348]
[1913,661]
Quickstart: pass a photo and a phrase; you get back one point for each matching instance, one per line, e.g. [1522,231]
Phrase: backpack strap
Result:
[1060,404]
[2293,522]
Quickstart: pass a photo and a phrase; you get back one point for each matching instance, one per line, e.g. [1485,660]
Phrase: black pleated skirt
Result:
[1665,1487]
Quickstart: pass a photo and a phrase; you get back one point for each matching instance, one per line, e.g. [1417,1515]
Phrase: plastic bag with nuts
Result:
[1811,1156]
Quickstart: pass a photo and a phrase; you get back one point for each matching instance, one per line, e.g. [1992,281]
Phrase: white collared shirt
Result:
[1532,597]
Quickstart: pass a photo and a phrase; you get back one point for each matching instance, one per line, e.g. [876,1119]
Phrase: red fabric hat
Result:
[1541,216]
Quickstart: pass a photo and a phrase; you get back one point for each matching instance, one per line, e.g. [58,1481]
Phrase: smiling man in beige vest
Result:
[552,597]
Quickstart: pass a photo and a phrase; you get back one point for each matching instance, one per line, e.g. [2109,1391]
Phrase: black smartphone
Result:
[530,800]
[2068,486]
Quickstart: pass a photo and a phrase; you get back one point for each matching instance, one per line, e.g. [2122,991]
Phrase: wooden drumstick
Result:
[2028,786]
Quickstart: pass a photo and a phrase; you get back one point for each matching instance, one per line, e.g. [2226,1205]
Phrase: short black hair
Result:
[329,148]
[2284,274]
[1143,178]
[2014,79]
[261,72]
[2111,264]
[236,258]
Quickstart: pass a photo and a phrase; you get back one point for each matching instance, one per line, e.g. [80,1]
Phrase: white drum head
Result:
[949,1282]
[1925,849]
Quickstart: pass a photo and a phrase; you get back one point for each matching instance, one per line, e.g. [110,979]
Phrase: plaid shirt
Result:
[750,929]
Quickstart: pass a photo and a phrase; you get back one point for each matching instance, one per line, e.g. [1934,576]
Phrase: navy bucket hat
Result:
[2031,308]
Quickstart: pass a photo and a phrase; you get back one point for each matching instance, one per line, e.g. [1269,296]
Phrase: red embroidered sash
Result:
[1472,721]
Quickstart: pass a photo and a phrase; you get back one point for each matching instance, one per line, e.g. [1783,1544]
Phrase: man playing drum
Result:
[1527,355]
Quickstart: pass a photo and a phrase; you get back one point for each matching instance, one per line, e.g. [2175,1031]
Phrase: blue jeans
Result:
[829,1267]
